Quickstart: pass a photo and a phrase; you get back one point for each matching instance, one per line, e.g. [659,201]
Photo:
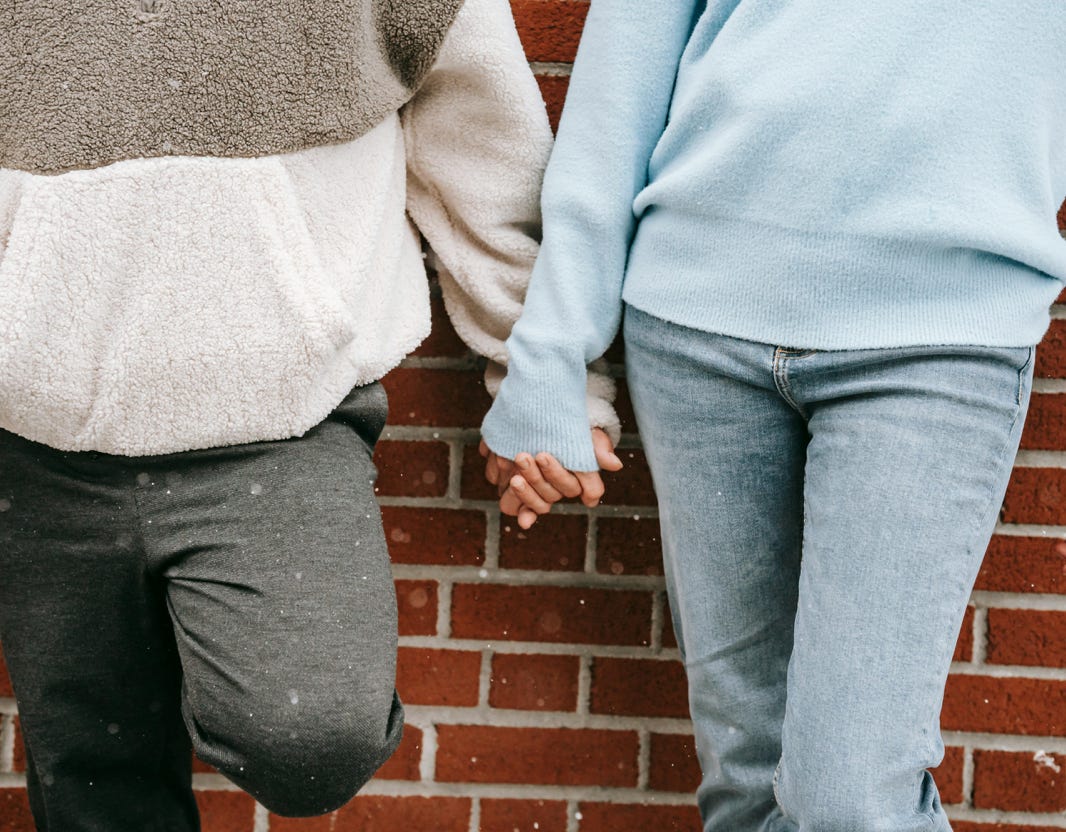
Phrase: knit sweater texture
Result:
[159,304]
[812,174]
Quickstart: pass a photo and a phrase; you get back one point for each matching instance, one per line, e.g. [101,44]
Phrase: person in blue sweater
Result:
[831,227]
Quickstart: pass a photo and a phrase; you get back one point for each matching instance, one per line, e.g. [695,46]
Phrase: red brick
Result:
[443,342]
[373,813]
[628,546]
[321,823]
[1036,495]
[5,680]
[441,536]
[550,29]
[534,683]
[1027,637]
[551,614]
[967,826]
[411,469]
[1051,354]
[674,765]
[18,760]
[964,645]
[438,677]
[226,811]
[1023,564]
[639,687]
[610,817]
[669,636]
[1062,227]
[1045,426]
[405,761]
[1021,781]
[417,602]
[473,485]
[948,775]
[200,767]
[436,398]
[632,485]
[15,811]
[553,90]
[1005,705]
[556,543]
[545,756]
[522,816]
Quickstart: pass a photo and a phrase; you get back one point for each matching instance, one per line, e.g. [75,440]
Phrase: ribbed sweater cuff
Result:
[543,410]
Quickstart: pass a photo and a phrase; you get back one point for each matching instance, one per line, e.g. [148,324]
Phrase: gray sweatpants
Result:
[240,596]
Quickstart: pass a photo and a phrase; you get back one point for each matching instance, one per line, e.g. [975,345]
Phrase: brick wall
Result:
[539,668]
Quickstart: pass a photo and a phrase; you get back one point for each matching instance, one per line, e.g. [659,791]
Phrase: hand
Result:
[498,469]
[538,483]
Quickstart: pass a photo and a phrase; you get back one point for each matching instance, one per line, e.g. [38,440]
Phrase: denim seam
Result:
[1021,380]
[1003,459]
[780,372]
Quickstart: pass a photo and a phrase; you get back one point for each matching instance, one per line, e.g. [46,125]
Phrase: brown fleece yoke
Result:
[85,83]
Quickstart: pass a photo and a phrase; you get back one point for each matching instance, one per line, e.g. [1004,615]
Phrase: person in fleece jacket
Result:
[832,227]
[207,259]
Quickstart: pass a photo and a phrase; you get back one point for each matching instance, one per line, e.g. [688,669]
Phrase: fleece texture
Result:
[90,83]
[814,174]
[161,305]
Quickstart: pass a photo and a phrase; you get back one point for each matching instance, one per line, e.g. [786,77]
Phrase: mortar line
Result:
[967,775]
[980,634]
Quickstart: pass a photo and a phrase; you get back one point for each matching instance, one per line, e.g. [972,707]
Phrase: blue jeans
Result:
[816,682]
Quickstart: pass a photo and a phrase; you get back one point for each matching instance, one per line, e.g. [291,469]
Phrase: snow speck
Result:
[418,598]
[578,816]
[1042,758]
[398,535]
[429,477]
[144,479]
[174,83]
[294,697]
[299,576]
[256,488]
[112,728]
[483,573]
[5,505]
[617,567]
[167,147]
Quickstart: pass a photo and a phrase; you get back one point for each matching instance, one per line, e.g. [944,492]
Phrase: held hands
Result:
[528,487]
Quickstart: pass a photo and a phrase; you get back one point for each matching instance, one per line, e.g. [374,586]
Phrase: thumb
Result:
[605,455]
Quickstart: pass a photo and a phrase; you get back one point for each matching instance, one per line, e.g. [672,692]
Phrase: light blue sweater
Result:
[827,174]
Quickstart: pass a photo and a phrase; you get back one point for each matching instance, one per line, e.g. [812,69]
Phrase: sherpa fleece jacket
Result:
[215,247]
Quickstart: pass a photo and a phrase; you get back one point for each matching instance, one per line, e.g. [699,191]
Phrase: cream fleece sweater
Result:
[165,304]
